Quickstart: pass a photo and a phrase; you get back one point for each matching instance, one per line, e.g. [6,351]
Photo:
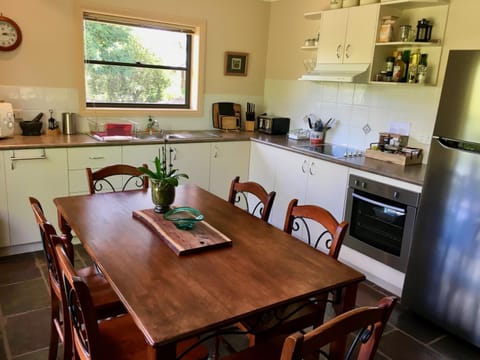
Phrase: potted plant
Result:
[163,180]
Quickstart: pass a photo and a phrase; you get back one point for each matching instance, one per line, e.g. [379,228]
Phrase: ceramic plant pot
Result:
[163,195]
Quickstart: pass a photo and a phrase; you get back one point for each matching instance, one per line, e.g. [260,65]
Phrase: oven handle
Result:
[363,198]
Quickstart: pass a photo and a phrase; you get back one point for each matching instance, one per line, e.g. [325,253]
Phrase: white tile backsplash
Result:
[354,105]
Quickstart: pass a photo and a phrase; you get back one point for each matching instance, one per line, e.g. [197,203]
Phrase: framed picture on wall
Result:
[236,63]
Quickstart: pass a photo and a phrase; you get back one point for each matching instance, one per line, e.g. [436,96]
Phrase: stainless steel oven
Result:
[381,220]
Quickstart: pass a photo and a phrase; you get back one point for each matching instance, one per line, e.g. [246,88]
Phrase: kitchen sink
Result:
[149,136]
[193,135]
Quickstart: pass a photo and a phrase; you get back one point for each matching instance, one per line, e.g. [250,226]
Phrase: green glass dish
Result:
[184,217]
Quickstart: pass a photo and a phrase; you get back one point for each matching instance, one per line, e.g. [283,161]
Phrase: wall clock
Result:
[10,34]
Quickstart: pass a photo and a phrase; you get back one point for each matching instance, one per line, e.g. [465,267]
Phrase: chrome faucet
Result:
[151,125]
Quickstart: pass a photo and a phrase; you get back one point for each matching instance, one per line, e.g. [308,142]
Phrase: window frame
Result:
[195,80]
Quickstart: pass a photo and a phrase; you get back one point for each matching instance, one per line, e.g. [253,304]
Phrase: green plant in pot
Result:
[163,180]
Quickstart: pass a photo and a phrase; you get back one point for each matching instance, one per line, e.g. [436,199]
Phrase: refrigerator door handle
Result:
[458,145]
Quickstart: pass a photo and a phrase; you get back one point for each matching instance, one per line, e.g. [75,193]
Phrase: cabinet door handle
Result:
[304,170]
[347,51]
[339,47]
[96,157]
[310,170]
[215,151]
[13,158]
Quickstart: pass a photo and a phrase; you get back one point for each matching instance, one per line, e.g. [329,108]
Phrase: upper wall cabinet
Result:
[347,35]
[409,12]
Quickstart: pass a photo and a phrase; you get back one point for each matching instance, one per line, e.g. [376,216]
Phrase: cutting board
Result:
[227,110]
[203,236]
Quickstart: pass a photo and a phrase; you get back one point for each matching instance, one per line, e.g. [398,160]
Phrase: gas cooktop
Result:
[331,150]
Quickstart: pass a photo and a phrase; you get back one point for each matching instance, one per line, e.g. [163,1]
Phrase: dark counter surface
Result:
[412,173]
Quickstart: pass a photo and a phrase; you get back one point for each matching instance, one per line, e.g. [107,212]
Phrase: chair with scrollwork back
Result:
[366,324]
[106,302]
[104,179]
[253,196]
[114,338]
[305,313]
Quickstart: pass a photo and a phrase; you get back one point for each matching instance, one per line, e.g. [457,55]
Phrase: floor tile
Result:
[367,295]
[18,268]
[3,355]
[414,325]
[398,346]
[35,355]
[28,332]
[454,348]
[24,296]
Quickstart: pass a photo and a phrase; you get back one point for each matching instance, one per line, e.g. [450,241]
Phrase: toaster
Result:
[273,125]
[7,120]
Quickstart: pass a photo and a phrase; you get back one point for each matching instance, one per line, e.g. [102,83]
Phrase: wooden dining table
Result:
[172,297]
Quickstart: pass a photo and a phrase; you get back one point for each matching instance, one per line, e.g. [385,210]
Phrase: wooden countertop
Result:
[412,173]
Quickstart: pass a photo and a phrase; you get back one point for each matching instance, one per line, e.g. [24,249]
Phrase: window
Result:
[134,64]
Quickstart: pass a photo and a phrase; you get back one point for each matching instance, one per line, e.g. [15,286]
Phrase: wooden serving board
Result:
[202,236]
[399,159]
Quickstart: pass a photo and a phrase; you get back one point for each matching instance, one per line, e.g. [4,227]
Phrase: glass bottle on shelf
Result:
[422,69]
[389,68]
[413,67]
[398,67]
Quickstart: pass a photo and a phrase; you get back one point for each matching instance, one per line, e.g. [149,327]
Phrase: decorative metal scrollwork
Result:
[326,236]
[104,184]
[257,208]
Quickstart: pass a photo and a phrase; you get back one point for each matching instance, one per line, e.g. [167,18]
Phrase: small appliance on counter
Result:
[273,125]
[7,120]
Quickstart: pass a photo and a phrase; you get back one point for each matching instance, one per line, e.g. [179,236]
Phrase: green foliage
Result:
[121,84]
[164,172]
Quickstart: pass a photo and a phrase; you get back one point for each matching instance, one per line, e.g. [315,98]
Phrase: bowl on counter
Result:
[31,128]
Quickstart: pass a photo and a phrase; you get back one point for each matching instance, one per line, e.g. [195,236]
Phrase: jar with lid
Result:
[399,68]
[413,67]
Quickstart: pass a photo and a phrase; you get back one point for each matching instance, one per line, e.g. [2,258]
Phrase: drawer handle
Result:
[96,157]
[13,158]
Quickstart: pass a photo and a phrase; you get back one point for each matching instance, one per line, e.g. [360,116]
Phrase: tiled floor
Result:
[24,316]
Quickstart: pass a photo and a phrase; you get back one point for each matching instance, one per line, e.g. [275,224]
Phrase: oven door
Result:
[380,228]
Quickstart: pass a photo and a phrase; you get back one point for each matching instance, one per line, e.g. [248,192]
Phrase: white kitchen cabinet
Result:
[95,157]
[347,35]
[292,175]
[192,159]
[227,160]
[4,232]
[41,173]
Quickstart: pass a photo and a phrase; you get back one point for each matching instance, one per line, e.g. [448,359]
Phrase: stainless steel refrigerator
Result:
[443,276]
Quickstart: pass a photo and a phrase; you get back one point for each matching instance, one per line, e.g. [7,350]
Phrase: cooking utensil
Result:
[37,118]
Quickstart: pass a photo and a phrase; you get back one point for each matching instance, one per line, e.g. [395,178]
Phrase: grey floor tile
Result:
[35,355]
[24,296]
[454,348]
[3,355]
[398,346]
[28,332]
[18,268]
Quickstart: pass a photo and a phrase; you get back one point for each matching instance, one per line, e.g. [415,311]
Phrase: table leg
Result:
[349,296]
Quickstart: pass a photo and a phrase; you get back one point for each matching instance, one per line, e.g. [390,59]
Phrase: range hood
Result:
[338,73]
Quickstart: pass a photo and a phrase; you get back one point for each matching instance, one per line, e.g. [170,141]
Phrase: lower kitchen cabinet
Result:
[4,233]
[292,175]
[192,159]
[41,173]
[227,160]
[95,157]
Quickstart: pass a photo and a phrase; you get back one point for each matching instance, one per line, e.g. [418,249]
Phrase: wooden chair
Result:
[310,312]
[367,322]
[260,204]
[104,179]
[116,338]
[105,301]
